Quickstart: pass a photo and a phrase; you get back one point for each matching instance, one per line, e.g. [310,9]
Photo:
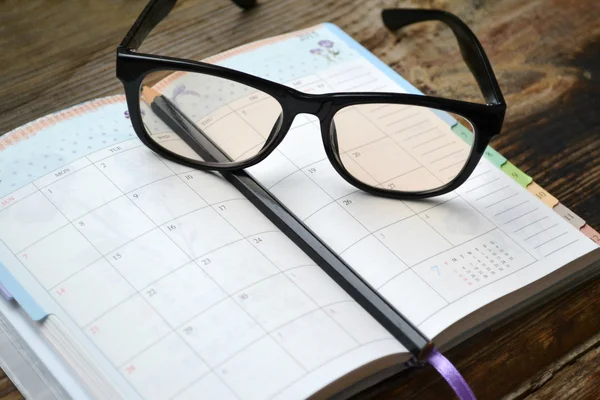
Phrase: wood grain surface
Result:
[546,55]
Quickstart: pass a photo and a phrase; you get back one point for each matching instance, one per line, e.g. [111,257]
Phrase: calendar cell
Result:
[28,221]
[183,294]
[58,256]
[274,301]
[245,217]
[92,291]
[177,168]
[412,240]
[147,258]
[336,227]
[272,169]
[133,168]
[259,115]
[260,371]
[164,369]
[237,144]
[317,285]
[301,195]
[213,188]
[457,221]
[81,192]
[208,387]
[328,179]
[384,159]
[237,266]
[373,261]
[414,180]
[357,322]
[141,324]
[201,232]
[412,296]
[113,224]
[314,339]
[373,212]
[363,131]
[215,337]
[280,250]
[303,145]
[166,200]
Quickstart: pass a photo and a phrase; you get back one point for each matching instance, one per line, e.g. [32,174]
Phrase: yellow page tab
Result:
[542,194]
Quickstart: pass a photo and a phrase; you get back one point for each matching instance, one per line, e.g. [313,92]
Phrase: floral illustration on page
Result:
[326,49]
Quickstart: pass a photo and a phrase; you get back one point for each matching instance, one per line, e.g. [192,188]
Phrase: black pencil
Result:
[331,263]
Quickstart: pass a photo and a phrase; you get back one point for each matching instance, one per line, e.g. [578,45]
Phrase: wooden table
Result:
[547,58]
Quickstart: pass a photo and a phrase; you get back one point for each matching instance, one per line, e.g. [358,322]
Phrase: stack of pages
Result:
[128,276]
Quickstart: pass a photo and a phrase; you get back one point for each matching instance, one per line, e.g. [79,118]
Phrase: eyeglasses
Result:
[207,131]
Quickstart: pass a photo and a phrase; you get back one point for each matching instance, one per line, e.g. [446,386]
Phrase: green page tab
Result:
[515,173]
[463,133]
[494,157]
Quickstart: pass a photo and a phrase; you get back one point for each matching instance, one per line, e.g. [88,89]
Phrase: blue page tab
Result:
[24,299]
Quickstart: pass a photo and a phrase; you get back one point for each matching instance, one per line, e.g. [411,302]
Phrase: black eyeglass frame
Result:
[486,119]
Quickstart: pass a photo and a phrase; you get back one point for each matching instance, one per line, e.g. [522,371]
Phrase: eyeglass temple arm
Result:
[470,48]
[153,13]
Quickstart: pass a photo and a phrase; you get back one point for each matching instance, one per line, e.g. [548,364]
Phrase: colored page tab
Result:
[519,176]
[463,133]
[569,216]
[591,233]
[542,194]
[22,297]
[5,293]
[494,157]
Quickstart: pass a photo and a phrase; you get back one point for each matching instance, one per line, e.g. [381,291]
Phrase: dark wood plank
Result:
[546,54]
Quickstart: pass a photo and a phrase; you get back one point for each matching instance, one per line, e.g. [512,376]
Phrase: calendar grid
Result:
[174,331]
[334,201]
[71,223]
[303,291]
[166,334]
[58,304]
[418,214]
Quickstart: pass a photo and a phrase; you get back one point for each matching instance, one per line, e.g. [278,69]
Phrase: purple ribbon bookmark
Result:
[451,375]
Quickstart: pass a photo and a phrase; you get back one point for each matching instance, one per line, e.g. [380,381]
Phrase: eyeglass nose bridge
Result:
[307,103]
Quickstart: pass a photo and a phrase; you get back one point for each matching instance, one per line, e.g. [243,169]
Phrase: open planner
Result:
[128,276]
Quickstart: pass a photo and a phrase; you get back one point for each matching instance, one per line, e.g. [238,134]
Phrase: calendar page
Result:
[178,288]
[435,260]
[170,278]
